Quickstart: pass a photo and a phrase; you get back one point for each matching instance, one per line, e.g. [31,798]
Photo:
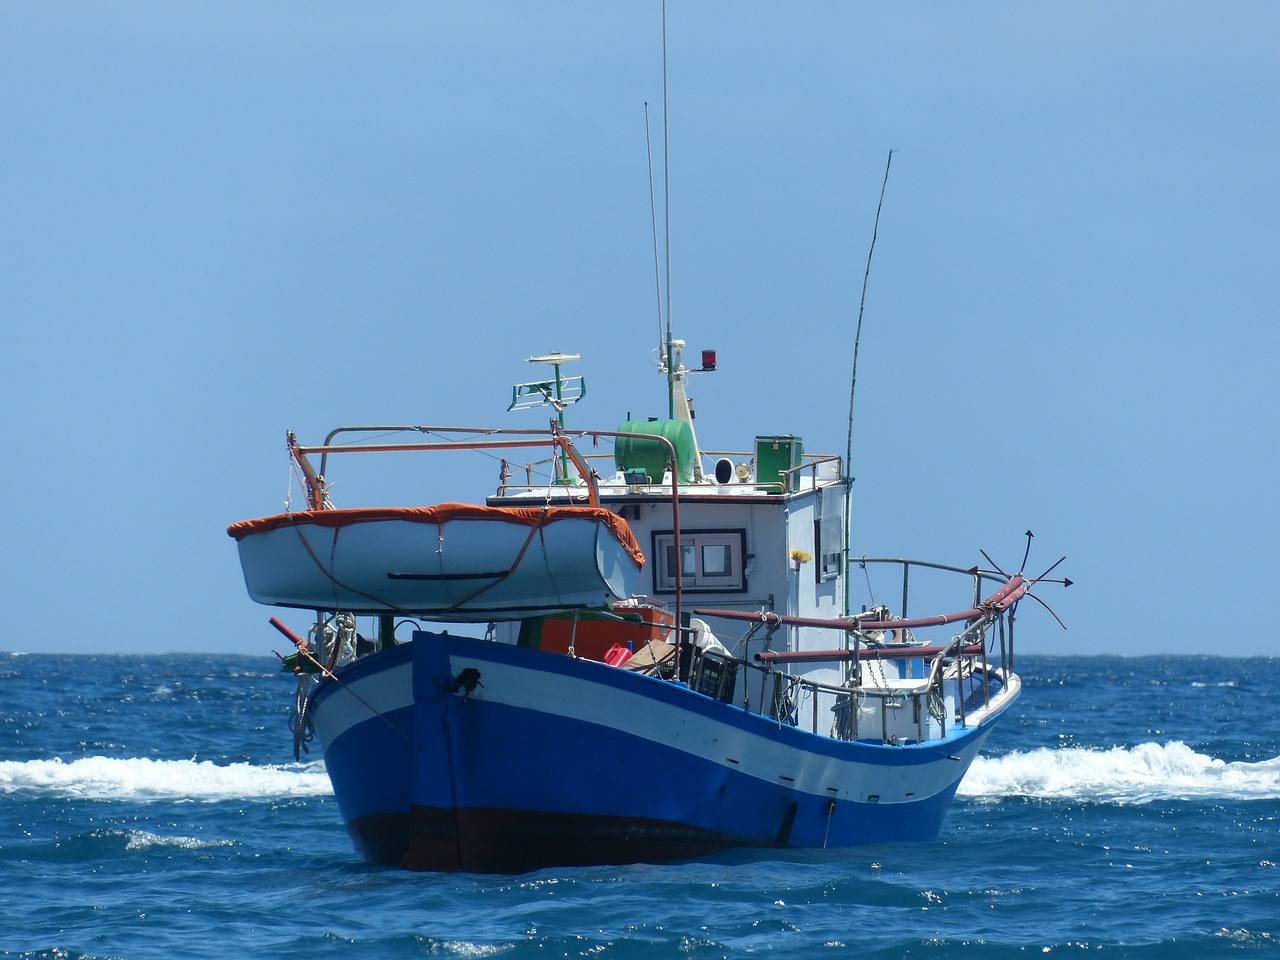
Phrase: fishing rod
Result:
[853,383]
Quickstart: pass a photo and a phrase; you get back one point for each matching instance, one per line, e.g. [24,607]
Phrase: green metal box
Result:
[774,457]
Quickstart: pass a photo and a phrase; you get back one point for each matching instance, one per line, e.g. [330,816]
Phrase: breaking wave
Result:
[107,844]
[1139,774]
[110,778]
[1131,775]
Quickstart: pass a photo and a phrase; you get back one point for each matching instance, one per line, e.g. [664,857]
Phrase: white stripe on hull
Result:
[888,780]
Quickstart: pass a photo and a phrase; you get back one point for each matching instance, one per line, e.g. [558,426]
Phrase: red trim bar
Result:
[866,653]
[1002,599]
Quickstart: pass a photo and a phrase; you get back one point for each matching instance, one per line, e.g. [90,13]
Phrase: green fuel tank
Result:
[653,456]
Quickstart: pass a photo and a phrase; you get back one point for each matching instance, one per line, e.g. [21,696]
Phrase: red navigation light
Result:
[708,359]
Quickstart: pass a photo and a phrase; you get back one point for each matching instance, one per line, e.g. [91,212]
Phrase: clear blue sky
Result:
[223,220]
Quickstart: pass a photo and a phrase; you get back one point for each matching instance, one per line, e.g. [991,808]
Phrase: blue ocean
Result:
[150,807]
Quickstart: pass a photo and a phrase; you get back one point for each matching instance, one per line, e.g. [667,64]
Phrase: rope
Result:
[866,575]
[342,628]
[321,567]
[301,646]
[300,720]
[536,528]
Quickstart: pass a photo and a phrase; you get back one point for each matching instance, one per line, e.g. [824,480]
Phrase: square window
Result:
[711,561]
[688,567]
[717,560]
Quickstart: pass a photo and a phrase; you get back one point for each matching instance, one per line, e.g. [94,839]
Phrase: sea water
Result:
[151,807]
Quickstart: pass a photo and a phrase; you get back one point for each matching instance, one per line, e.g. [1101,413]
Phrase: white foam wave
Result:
[143,840]
[111,778]
[1138,774]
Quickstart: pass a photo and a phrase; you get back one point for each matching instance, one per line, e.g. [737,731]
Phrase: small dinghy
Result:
[451,561]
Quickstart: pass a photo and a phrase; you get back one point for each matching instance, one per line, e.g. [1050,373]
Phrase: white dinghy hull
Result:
[449,562]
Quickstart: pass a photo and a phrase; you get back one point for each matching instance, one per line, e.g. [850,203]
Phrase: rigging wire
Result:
[653,217]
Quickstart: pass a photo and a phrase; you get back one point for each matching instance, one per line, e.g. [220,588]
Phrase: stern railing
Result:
[877,702]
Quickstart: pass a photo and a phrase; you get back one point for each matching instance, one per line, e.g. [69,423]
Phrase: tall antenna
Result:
[666,198]
[853,381]
[653,216]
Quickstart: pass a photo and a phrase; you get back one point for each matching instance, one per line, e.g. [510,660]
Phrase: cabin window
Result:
[710,561]
[828,534]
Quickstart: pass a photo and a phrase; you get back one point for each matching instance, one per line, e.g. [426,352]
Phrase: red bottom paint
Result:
[517,841]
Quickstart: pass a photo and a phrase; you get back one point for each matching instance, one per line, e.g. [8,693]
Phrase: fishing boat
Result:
[647,654]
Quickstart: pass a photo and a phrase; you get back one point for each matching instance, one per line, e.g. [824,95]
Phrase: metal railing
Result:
[978,575]
[956,685]
[814,464]
[944,685]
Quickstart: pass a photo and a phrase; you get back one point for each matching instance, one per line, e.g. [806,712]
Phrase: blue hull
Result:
[450,753]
